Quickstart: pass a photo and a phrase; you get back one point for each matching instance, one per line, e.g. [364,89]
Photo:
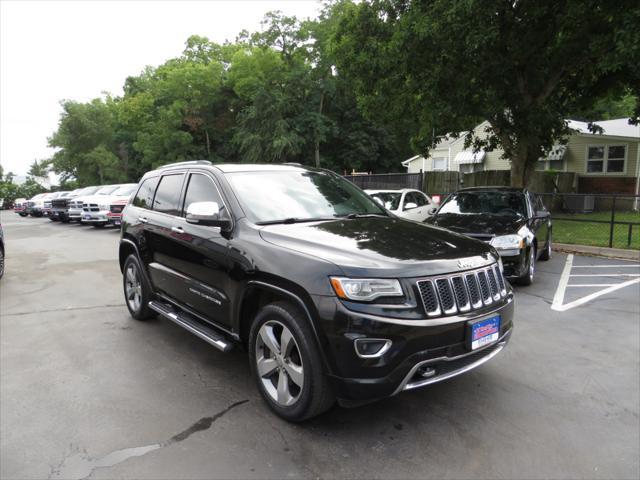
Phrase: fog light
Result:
[371,347]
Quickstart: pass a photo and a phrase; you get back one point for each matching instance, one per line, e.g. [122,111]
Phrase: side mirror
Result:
[432,210]
[543,214]
[207,214]
[410,205]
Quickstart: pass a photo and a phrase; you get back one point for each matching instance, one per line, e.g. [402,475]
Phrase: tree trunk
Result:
[206,134]
[317,139]
[523,165]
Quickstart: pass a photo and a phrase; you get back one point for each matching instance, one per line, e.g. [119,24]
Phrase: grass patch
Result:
[596,234]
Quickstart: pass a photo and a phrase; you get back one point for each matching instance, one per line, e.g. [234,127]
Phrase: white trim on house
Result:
[605,159]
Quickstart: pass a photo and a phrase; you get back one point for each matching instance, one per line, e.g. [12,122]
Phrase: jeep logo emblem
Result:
[467,263]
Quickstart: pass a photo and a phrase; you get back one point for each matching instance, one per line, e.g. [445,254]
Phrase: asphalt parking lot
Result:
[85,391]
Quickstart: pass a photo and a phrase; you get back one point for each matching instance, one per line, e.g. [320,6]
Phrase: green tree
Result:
[524,66]
[39,168]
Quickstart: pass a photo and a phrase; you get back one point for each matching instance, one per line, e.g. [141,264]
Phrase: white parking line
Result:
[558,298]
[605,275]
[583,300]
[566,275]
[607,266]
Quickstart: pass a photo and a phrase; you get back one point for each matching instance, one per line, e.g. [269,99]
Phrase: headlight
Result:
[365,289]
[507,242]
[104,207]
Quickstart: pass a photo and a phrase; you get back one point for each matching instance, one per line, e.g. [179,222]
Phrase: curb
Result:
[598,251]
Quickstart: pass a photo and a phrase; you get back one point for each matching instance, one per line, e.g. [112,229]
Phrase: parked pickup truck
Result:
[35,205]
[74,210]
[60,206]
[20,206]
[95,209]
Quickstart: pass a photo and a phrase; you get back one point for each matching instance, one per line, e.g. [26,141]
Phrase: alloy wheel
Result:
[532,262]
[279,363]
[133,287]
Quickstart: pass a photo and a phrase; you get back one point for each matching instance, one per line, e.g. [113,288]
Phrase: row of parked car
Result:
[96,205]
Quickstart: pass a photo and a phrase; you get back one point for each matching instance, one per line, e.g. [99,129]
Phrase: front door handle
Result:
[177,229]
[142,219]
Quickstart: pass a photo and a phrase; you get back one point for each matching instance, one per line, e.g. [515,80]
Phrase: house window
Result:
[606,159]
[439,163]
[471,167]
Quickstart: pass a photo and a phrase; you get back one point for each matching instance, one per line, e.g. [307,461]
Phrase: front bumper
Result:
[95,217]
[515,266]
[436,343]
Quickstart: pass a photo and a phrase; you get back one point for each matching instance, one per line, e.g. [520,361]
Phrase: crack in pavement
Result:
[67,309]
[79,465]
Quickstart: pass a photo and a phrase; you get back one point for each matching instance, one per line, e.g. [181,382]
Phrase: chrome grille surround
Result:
[462,292]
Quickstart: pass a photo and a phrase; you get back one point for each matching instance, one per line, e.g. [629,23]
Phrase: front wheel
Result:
[98,225]
[287,365]
[137,292]
[1,262]
[527,278]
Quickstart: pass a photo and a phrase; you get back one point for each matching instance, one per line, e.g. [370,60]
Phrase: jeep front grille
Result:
[454,293]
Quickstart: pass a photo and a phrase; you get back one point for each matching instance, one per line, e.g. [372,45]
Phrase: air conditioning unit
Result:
[580,203]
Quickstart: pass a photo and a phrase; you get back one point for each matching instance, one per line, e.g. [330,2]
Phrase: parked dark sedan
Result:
[513,220]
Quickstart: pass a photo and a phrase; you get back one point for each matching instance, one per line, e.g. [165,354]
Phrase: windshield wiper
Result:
[361,215]
[294,220]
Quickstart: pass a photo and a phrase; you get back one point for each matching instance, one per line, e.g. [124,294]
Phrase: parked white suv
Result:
[95,209]
[406,203]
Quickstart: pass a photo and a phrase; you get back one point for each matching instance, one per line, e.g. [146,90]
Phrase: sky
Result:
[58,50]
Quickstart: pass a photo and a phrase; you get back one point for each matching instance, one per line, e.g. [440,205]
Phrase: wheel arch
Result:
[261,292]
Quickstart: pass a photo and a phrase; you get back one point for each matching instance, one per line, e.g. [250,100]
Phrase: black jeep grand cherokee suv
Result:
[332,295]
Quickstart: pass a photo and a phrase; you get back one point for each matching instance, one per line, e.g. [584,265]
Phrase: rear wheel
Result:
[137,292]
[286,363]
[527,278]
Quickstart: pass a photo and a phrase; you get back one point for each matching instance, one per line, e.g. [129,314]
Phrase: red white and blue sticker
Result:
[485,332]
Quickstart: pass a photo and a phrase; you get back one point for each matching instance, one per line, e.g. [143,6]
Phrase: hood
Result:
[479,224]
[389,247]
[120,198]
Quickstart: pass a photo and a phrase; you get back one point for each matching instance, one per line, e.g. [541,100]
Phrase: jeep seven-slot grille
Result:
[463,292]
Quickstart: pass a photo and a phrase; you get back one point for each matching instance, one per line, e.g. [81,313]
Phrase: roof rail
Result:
[188,162]
[292,164]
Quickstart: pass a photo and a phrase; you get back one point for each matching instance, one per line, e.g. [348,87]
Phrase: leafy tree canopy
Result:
[438,65]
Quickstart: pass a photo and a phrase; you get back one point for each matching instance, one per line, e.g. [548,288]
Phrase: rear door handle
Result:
[142,219]
[177,229]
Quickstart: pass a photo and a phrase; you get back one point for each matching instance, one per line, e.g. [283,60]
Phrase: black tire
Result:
[546,253]
[315,396]
[65,220]
[98,225]
[53,219]
[527,278]
[138,310]
[1,262]
[23,214]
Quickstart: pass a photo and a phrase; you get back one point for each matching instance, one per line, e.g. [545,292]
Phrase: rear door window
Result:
[201,189]
[167,198]
[144,197]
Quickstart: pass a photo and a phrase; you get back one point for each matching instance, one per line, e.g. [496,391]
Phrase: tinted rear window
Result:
[168,194]
[144,197]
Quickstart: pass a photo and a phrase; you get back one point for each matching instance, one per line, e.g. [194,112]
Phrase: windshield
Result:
[390,200]
[125,190]
[302,195]
[492,203]
[107,190]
